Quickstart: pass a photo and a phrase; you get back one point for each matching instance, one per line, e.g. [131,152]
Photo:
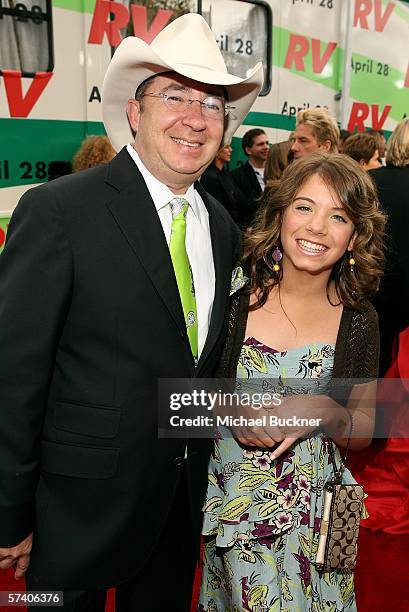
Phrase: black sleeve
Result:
[235,333]
[35,280]
[356,353]
[364,343]
[210,182]
[238,177]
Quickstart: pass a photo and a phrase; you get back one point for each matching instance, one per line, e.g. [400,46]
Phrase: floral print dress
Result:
[261,516]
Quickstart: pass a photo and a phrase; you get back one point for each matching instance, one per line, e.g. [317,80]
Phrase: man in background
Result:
[316,130]
[250,176]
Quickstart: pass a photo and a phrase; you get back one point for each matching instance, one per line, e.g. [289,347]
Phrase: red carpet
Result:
[382,575]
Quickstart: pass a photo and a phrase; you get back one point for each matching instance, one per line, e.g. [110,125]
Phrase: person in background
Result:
[380,140]
[57,168]
[94,150]
[278,159]
[343,135]
[315,130]
[363,148]
[392,182]
[110,280]
[250,176]
[313,257]
[218,182]
[277,162]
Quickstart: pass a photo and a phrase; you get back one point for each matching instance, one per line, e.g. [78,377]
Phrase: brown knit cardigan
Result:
[356,349]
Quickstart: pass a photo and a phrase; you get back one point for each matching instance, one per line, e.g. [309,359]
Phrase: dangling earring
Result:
[351,262]
[276,256]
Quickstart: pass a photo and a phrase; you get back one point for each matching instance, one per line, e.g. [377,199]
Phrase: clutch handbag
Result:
[343,508]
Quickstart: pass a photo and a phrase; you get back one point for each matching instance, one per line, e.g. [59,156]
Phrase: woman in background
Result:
[94,150]
[219,183]
[277,161]
[363,148]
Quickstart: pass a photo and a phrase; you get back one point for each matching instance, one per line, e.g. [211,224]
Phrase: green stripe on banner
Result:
[80,6]
[270,120]
[33,143]
[3,229]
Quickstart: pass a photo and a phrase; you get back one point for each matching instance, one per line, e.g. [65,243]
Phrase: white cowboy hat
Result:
[186,46]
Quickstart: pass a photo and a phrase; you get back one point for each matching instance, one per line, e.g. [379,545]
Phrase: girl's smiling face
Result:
[316,231]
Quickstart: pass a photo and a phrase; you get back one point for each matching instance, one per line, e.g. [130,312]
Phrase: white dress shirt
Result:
[198,241]
[259,172]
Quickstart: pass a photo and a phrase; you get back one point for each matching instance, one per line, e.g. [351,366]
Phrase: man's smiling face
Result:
[176,146]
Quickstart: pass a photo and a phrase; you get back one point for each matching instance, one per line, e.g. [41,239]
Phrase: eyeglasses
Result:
[212,107]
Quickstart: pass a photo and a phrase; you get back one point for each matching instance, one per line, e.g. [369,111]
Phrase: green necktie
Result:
[183,271]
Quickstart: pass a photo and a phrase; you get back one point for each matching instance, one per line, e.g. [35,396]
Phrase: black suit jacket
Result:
[90,319]
[392,302]
[220,184]
[247,181]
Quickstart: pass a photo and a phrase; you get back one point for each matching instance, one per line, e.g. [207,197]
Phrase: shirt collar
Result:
[160,193]
[259,171]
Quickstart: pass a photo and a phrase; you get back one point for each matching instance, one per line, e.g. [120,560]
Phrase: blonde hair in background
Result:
[397,153]
[94,150]
[323,124]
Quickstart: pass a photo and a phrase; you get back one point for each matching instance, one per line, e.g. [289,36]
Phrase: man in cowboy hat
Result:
[110,280]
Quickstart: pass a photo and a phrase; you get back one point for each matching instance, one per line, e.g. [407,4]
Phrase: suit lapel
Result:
[253,179]
[138,220]
[222,249]
[135,214]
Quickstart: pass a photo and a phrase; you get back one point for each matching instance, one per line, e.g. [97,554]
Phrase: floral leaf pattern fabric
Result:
[261,515]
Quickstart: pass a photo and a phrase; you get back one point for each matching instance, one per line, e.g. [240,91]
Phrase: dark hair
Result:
[248,138]
[357,194]
[361,146]
[380,141]
[372,131]
[142,87]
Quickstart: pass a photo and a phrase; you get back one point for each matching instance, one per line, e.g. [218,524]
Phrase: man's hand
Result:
[17,556]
